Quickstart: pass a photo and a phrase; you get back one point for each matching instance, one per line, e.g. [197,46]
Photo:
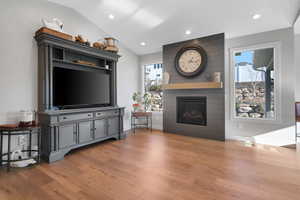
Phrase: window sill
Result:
[256,120]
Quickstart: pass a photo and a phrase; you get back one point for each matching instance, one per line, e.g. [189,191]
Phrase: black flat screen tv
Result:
[80,88]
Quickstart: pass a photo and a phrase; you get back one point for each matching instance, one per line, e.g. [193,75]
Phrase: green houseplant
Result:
[147,101]
[137,99]
[142,100]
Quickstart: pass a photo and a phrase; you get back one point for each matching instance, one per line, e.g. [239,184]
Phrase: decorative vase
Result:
[166,78]
[217,76]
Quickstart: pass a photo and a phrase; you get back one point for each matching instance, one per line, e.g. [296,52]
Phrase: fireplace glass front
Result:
[192,110]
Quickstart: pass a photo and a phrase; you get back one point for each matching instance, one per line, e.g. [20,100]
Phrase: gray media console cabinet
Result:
[67,129]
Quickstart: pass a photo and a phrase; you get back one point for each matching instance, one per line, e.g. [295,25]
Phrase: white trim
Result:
[143,81]
[277,83]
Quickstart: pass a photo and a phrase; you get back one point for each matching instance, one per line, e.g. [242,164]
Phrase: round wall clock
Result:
[190,61]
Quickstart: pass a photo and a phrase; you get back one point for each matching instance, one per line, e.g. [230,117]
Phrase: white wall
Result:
[152,58]
[297,67]
[148,59]
[18,54]
[267,130]
[128,82]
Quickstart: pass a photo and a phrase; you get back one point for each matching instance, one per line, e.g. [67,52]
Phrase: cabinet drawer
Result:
[65,118]
[107,113]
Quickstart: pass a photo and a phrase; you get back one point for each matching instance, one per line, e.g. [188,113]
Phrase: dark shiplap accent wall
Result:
[215,129]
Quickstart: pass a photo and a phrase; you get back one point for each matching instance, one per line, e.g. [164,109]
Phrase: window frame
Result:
[277,83]
[144,80]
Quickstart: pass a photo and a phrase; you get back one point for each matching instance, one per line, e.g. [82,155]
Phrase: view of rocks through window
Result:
[153,85]
[254,84]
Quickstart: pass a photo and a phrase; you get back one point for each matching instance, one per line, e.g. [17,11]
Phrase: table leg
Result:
[8,152]
[151,122]
[30,143]
[1,146]
[134,125]
[39,145]
[131,121]
[147,122]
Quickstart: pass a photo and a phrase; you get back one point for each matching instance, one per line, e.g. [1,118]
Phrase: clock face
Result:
[190,61]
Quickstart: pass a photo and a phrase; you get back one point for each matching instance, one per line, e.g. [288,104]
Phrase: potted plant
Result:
[147,101]
[137,99]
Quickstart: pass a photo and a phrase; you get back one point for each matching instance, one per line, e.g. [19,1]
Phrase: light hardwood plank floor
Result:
[161,166]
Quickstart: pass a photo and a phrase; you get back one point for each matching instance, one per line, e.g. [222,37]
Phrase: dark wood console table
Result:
[13,130]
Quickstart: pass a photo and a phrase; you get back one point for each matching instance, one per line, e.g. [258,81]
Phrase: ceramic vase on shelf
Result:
[166,78]
[217,77]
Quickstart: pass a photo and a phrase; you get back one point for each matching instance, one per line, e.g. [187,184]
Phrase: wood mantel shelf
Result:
[195,85]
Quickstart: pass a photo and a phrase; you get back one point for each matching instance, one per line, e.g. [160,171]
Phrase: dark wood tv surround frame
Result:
[64,130]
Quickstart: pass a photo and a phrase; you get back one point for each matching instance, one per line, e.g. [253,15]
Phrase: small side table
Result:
[13,130]
[139,115]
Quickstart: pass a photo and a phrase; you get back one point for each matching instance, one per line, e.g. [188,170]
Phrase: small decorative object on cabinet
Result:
[99,45]
[56,24]
[21,157]
[190,61]
[81,40]
[110,44]
[82,62]
[141,115]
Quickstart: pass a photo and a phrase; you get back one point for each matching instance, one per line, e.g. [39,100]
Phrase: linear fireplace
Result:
[192,110]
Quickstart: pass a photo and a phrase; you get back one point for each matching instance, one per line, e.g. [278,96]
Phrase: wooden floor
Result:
[157,166]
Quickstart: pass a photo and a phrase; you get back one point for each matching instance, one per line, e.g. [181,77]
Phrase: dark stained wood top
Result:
[15,127]
[141,114]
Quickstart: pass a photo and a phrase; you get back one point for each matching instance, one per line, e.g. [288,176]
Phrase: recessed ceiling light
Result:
[111,16]
[256,16]
[188,32]
[143,43]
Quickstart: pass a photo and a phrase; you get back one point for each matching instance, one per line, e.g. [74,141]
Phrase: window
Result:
[153,84]
[255,82]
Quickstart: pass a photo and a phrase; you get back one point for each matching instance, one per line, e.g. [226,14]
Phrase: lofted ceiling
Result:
[161,22]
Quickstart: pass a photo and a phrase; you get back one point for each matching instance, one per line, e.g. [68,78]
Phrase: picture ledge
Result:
[193,85]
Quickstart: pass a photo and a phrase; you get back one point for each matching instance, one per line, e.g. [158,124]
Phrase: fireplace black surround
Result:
[205,118]
[191,110]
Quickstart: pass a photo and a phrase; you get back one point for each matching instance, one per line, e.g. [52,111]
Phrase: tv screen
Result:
[78,88]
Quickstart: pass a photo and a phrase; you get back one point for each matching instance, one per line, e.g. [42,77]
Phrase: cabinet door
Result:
[67,135]
[85,131]
[113,125]
[100,128]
